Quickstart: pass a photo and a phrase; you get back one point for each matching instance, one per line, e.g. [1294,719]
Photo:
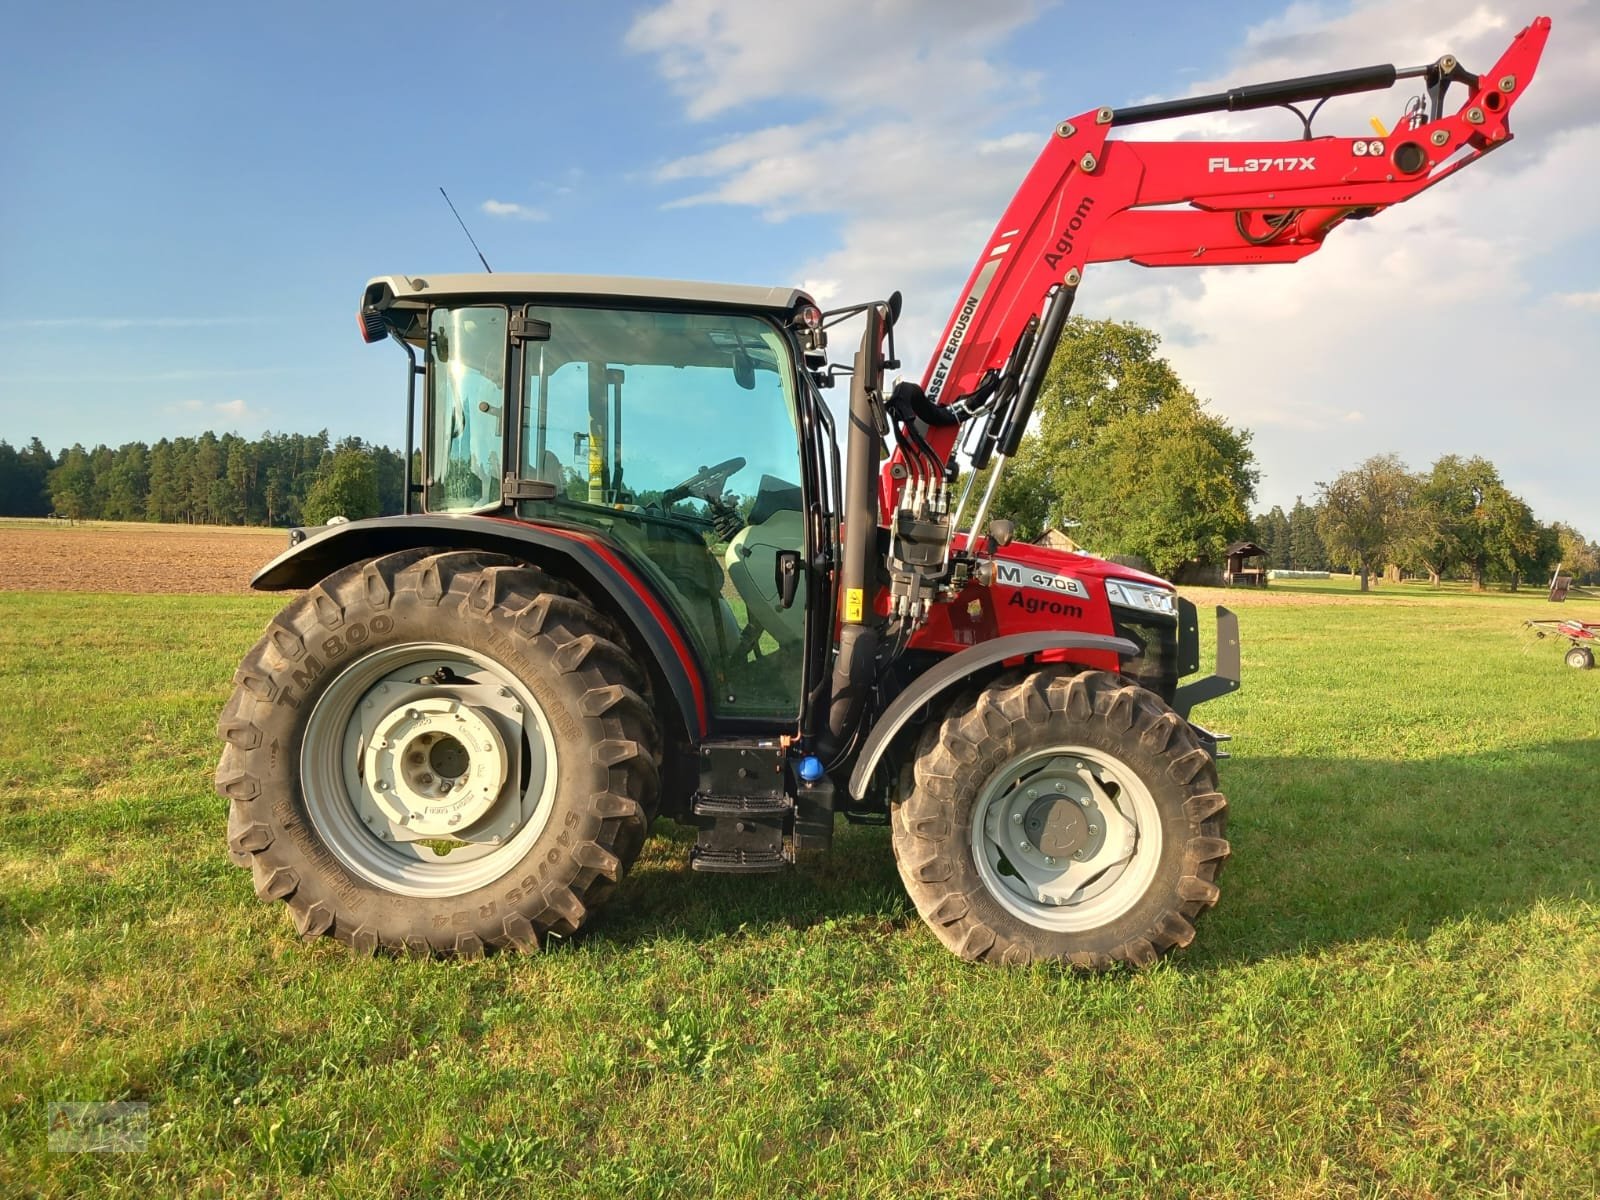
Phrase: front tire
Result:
[438,752]
[1580,658]
[1062,815]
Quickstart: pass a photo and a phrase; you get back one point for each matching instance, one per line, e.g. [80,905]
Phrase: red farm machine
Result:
[635,579]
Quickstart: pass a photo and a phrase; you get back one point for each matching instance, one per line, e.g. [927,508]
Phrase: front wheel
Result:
[1580,658]
[1063,815]
[438,752]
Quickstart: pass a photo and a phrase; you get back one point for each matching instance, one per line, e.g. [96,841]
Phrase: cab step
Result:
[743,807]
[738,862]
[740,806]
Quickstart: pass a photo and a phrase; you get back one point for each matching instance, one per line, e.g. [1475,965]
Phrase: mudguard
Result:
[592,564]
[961,666]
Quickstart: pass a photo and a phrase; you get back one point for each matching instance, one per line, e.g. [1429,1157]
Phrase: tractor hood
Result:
[1045,559]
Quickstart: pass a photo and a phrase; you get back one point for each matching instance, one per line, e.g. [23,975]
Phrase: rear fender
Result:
[587,561]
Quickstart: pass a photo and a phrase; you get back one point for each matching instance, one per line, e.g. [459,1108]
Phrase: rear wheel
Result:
[1580,658]
[1065,816]
[438,752]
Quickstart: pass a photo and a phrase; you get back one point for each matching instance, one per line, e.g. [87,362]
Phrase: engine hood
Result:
[1042,558]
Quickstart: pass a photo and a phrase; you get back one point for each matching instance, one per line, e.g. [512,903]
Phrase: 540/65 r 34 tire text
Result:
[438,752]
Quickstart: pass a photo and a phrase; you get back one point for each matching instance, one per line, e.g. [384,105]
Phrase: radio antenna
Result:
[464,230]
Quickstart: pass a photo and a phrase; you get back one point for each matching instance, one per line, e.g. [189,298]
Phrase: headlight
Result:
[1142,596]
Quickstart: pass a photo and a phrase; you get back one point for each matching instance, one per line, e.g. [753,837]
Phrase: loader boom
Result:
[1090,198]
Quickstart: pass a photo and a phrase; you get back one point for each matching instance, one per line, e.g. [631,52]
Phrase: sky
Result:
[194,196]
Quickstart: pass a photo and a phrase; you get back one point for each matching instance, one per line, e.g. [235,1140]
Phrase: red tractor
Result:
[635,580]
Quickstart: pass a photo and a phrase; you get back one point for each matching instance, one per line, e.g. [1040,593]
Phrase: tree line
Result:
[1457,520]
[276,479]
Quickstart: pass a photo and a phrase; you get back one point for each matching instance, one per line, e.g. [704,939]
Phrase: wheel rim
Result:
[1067,839]
[428,769]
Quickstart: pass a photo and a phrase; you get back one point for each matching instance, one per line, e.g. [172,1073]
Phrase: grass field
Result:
[1397,996]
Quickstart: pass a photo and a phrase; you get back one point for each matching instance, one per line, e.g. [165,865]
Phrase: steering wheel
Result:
[708,483]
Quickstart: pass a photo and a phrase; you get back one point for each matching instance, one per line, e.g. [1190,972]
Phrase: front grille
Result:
[1156,665]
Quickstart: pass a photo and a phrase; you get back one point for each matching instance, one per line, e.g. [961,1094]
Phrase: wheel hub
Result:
[1057,826]
[1055,835]
[435,765]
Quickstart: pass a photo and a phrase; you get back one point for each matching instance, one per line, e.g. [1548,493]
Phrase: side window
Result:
[466,407]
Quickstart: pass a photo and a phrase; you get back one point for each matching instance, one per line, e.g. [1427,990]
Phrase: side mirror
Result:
[744,370]
[1001,532]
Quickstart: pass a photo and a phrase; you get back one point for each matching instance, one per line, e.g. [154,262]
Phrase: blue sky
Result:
[195,195]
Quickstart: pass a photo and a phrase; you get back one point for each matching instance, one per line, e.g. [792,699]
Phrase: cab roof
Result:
[387,290]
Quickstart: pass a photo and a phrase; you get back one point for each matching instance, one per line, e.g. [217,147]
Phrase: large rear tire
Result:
[438,752]
[1062,815]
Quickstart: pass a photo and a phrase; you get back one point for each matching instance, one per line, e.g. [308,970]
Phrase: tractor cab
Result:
[662,419]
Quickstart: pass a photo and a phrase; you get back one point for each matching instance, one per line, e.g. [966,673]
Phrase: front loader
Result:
[636,579]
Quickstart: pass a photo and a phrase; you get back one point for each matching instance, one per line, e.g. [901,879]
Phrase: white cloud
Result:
[1586,300]
[917,183]
[520,212]
[901,55]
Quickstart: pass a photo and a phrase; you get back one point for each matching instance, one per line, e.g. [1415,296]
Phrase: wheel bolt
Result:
[382,785]
[1049,862]
[1033,793]
[1016,818]
[1093,829]
[1060,786]
[1078,854]
[1024,846]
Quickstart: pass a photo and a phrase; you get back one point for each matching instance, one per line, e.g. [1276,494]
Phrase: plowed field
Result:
[108,556]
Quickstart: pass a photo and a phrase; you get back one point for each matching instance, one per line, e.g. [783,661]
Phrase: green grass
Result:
[1398,995]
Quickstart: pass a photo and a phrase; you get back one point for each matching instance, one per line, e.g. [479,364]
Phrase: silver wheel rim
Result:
[421,747]
[1067,839]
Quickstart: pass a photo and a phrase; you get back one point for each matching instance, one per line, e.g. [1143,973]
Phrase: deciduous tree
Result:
[1364,516]
[1129,454]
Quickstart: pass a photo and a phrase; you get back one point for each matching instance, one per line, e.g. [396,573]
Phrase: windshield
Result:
[675,434]
[626,405]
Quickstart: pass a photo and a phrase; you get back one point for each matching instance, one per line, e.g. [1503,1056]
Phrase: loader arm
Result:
[1090,198]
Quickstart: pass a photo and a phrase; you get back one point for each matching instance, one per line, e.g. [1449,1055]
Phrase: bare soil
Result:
[110,556]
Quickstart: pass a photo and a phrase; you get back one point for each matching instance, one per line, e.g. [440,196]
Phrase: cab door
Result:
[675,434]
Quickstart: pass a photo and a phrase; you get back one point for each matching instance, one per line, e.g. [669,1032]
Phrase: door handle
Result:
[786,574]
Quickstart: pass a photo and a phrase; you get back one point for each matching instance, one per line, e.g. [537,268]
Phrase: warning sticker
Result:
[852,604]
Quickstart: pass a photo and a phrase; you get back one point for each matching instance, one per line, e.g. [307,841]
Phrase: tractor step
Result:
[740,806]
[738,862]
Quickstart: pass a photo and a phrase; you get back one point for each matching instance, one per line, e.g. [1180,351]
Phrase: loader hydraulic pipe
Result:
[1267,95]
